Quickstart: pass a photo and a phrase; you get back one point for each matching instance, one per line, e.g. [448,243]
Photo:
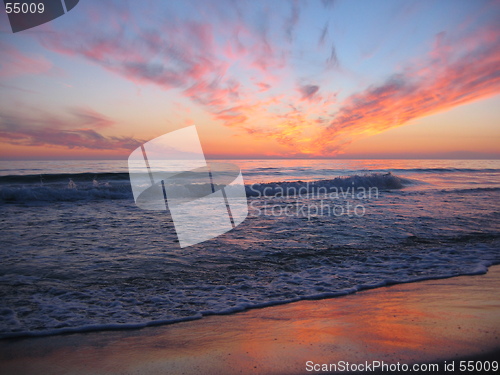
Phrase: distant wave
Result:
[460,190]
[64,194]
[102,186]
[117,176]
[335,171]
[89,186]
[64,187]
[441,170]
[420,170]
[471,190]
[63,177]
[386,181]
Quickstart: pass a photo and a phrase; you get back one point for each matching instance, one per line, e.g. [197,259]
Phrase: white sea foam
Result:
[83,259]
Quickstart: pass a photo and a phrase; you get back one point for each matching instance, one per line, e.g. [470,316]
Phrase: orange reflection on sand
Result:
[410,323]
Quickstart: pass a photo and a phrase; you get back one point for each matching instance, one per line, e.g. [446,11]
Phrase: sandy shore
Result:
[425,322]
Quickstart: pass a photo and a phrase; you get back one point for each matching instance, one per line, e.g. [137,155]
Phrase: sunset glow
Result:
[288,80]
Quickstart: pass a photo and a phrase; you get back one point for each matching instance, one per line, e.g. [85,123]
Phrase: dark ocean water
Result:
[83,256]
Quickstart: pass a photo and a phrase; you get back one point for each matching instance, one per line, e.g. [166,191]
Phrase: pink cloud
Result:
[90,118]
[447,79]
[74,132]
[263,86]
[14,63]
[211,65]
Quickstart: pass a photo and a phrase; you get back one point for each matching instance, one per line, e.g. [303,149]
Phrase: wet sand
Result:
[425,322]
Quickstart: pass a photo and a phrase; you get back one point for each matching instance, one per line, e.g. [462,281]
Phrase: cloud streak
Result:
[443,82]
[47,130]
[308,91]
[15,63]
[183,55]
[88,117]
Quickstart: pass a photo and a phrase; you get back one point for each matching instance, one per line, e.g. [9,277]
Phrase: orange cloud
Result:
[446,81]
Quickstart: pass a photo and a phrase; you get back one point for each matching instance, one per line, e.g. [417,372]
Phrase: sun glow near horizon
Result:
[301,80]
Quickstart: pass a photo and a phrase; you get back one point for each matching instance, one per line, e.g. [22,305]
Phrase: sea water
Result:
[77,254]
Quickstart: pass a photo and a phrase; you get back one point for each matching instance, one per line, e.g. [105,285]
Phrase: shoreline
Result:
[231,311]
[418,322]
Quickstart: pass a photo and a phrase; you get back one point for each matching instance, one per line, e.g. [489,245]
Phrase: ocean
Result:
[77,254]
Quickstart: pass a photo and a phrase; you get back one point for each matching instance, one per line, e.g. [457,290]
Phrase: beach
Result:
[233,187]
[415,323]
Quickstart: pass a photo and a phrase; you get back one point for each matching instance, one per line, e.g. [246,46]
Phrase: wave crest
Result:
[82,187]
[385,181]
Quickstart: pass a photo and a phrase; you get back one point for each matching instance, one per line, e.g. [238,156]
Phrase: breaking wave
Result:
[88,186]
[385,181]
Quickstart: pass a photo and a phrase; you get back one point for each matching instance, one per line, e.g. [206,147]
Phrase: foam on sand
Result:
[426,322]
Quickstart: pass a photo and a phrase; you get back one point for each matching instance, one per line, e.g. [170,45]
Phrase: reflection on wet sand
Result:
[410,323]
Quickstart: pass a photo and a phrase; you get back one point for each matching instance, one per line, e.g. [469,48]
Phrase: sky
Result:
[259,79]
